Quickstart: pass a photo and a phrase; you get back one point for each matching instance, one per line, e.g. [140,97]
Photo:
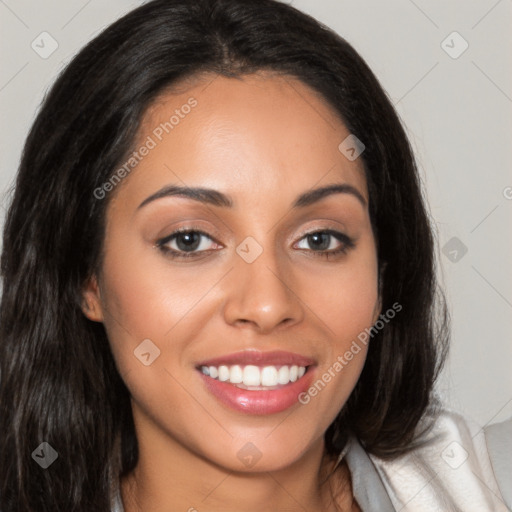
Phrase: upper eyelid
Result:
[321,230]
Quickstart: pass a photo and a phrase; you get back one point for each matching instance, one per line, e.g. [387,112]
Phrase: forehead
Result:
[251,135]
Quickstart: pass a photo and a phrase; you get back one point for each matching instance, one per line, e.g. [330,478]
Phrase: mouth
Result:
[256,382]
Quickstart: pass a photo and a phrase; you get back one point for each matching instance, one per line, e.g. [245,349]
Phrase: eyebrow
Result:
[216,198]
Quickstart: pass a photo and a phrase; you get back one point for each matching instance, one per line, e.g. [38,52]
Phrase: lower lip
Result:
[258,402]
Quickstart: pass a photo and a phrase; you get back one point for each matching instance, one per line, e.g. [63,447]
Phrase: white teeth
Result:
[235,375]
[269,376]
[283,375]
[253,376]
[223,373]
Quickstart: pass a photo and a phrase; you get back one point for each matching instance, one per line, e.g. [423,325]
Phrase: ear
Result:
[91,300]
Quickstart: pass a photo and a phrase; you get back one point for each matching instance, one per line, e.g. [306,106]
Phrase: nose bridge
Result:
[261,289]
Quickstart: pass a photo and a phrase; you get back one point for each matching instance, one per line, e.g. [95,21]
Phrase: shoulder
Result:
[453,468]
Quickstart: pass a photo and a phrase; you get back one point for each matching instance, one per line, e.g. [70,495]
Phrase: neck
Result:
[170,477]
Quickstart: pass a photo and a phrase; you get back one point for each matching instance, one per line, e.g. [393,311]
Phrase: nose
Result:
[262,294]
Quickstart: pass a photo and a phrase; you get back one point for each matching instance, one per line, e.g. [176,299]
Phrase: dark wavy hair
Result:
[59,382]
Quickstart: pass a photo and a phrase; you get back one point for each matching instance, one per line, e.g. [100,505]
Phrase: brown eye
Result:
[327,243]
[186,243]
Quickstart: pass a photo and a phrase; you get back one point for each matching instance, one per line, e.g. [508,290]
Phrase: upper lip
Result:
[259,358]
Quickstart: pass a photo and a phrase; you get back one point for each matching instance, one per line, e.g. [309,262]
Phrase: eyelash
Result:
[347,243]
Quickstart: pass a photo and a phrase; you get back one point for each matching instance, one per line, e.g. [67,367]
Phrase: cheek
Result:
[352,306]
[153,308]
[146,300]
[347,302]
[346,296]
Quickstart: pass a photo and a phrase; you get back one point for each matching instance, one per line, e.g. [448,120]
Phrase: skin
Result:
[263,140]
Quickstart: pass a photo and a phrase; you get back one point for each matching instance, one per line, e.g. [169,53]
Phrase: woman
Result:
[175,334]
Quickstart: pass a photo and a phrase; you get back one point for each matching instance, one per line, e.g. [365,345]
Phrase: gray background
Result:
[457,111]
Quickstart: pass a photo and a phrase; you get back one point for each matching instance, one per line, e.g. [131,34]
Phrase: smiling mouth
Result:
[256,382]
[255,378]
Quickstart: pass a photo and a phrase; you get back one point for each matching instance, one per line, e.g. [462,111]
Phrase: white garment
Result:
[451,473]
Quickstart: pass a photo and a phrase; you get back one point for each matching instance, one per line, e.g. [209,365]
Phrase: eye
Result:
[327,243]
[186,243]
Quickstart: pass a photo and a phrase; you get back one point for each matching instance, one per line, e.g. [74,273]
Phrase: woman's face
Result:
[218,331]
